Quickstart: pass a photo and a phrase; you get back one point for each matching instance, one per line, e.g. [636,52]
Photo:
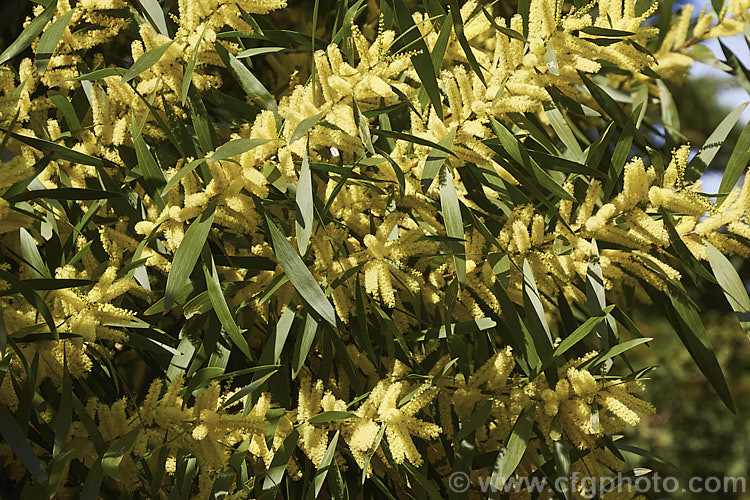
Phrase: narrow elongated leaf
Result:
[681,249]
[615,350]
[581,332]
[738,161]
[60,151]
[187,78]
[435,160]
[454,225]
[478,418]
[330,416]
[29,34]
[304,205]
[283,327]
[147,60]
[30,253]
[458,28]
[305,125]
[564,132]
[689,327]
[300,275]
[153,177]
[16,439]
[187,255]
[322,472]
[669,114]
[302,349]
[49,40]
[249,83]
[711,147]
[256,51]
[740,72]
[595,299]
[219,303]
[114,454]
[180,174]
[509,458]
[66,194]
[731,285]
[438,50]
[537,320]
[235,147]
[421,59]
[155,15]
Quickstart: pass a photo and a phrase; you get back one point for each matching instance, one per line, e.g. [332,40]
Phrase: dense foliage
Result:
[348,248]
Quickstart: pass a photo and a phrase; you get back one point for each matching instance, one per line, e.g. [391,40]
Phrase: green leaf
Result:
[299,274]
[565,133]
[679,247]
[322,472]
[454,225]
[595,299]
[29,34]
[255,51]
[305,125]
[93,482]
[740,72]
[458,28]
[478,418]
[615,350]
[687,323]
[219,303]
[49,40]
[375,446]
[65,194]
[187,255]
[235,147]
[114,454]
[155,15]
[502,29]
[509,457]
[144,62]
[669,115]
[438,50]
[16,439]
[329,416]
[153,177]
[421,60]
[581,332]
[178,176]
[710,148]
[435,160]
[737,163]
[608,105]
[304,205]
[31,255]
[520,155]
[538,323]
[187,78]
[731,285]
[60,152]
[276,470]
[249,83]
[608,32]
[305,342]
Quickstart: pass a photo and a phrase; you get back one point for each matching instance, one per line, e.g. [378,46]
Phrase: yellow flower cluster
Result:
[381,224]
[207,426]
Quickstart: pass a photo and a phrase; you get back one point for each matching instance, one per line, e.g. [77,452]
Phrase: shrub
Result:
[346,248]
